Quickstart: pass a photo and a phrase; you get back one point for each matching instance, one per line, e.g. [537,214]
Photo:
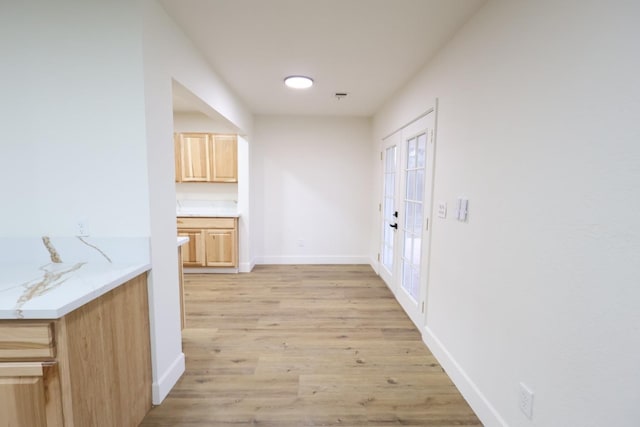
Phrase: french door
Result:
[406,213]
[389,208]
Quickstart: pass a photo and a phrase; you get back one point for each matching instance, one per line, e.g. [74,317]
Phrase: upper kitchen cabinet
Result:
[225,158]
[193,157]
[205,157]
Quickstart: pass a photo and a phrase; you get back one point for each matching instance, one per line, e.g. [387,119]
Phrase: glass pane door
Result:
[413,213]
[389,206]
[389,213]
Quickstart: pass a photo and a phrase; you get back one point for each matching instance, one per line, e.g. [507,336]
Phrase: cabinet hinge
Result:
[381,155]
[378,257]
[379,207]
[427,224]
[423,306]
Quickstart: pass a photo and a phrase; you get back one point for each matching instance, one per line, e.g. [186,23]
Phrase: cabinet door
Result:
[193,252]
[195,161]
[221,248]
[30,395]
[225,158]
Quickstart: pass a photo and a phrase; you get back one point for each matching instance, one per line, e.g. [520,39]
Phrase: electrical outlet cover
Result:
[525,400]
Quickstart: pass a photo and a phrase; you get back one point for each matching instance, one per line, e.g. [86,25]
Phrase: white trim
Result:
[167,380]
[247,267]
[310,259]
[469,390]
[375,264]
[410,122]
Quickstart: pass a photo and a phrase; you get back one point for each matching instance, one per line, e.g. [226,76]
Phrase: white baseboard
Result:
[167,380]
[478,402]
[247,267]
[312,259]
[374,263]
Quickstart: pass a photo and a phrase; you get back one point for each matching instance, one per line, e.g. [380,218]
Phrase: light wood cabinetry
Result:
[206,157]
[92,367]
[193,157]
[192,252]
[225,158]
[213,242]
[27,340]
[220,248]
[30,394]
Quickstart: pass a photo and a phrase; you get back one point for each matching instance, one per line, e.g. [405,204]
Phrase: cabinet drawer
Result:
[201,222]
[26,340]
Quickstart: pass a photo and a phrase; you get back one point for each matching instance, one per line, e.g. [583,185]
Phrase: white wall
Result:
[73,136]
[168,56]
[245,251]
[312,180]
[538,127]
[87,134]
[207,191]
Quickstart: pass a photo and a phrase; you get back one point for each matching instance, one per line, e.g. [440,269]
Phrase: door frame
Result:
[428,212]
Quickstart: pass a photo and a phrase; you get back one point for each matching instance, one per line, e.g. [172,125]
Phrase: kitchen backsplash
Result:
[203,191]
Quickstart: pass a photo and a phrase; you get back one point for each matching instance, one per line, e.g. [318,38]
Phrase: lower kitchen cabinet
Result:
[213,242]
[30,394]
[220,248]
[192,252]
[91,367]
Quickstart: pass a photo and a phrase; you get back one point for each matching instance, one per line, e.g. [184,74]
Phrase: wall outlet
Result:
[442,209]
[525,400]
[82,229]
[301,243]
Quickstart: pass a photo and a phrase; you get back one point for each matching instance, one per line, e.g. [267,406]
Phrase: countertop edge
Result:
[57,313]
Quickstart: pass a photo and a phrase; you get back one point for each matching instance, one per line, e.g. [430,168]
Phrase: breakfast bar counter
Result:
[74,331]
[46,278]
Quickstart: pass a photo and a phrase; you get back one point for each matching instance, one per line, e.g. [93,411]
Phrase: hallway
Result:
[305,345]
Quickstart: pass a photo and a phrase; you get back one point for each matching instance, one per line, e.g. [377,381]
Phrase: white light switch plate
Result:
[442,209]
[463,205]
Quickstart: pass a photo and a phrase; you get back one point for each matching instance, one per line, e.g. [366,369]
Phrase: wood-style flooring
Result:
[289,346]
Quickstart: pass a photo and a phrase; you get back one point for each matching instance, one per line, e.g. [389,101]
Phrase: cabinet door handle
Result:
[393,226]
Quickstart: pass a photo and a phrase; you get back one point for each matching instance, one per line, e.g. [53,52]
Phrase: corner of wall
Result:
[247,267]
[474,397]
[167,380]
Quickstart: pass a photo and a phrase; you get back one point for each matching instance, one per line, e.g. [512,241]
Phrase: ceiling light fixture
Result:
[298,82]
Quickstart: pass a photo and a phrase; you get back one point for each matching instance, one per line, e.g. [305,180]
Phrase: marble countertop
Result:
[207,208]
[182,240]
[48,278]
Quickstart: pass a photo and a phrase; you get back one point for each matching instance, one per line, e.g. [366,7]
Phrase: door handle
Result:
[395,214]
[393,226]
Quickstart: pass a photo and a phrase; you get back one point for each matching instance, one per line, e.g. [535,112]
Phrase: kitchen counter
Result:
[43,278]
[207,208]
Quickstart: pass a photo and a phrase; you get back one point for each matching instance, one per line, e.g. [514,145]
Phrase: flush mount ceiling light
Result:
[298,82]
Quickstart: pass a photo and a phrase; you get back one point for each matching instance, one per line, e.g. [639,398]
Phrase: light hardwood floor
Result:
[289,346]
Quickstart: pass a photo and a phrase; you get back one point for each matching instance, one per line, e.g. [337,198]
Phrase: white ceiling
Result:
[366,48]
